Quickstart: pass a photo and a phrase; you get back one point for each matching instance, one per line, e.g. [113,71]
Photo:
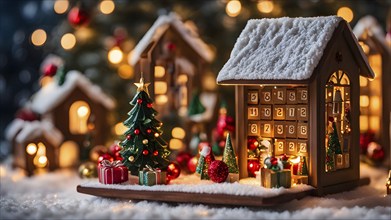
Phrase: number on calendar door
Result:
[291,147]
[280,95]
[280,129]
[267,96]
[267,129]
[303,147]
[291,129]
[280,146]
[254,128]
[292,96]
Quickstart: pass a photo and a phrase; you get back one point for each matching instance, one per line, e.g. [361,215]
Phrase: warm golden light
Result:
[68,41]
[159,71]
[210,82]
[374,123]
[31,148]
[107,6]
[82,111]
[265,6]
[374,106]
[363,81]
[363,123]
[176,144]
[61,6]
[178,132]
[364,101]
[346,13]
[120,128]
[115,55]
[364,47]
[68,154]
[46,80]
[40,160]
[295,160]
[161,99]
[233,8]
[125,71]
[160,88]
[182,79]
[38,37]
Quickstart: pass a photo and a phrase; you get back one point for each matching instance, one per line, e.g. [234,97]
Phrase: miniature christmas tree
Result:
[206,157]
[195,106]
[303,169]
[143,144]
[333,148]
[229,156]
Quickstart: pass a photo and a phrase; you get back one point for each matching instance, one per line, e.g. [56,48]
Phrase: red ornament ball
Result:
[128,137]
[77,16]
[149,105]
[145,152]
[218,171]
[50,70]
[173,171]
[105,156]
[137,131]
[115,148]
[192,164]
[183,158]
[149,131]
[273,161]
[155,153]
[252,143]
[252,167]
[139,101]
[375,152]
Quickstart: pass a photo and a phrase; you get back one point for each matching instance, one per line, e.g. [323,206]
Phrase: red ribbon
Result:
[108,163]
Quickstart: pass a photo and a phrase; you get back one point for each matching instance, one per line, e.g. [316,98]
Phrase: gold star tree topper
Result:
[141,86]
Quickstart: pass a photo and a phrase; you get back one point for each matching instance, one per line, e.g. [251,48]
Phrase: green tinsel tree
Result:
[303,169]
[195,106]
[143,144]
[333,148]
[229,156]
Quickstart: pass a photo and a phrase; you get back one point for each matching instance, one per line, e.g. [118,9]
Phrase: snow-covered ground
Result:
[54,196]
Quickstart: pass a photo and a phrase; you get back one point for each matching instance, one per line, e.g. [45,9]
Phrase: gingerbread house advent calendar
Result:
[297,93]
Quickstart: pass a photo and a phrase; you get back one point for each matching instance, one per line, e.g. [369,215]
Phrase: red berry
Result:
[149,105]
[145,152]
[137,131]
[149,131]
[50,70]
[139,101]
[128,137]
[155,153]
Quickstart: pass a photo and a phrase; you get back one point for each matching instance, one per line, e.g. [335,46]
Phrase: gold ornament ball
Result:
[131,158]
[145,141]
[88,170]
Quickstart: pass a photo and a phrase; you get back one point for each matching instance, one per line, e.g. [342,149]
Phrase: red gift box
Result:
[112,172]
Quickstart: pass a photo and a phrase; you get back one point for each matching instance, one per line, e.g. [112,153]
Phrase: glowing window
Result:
[78,117]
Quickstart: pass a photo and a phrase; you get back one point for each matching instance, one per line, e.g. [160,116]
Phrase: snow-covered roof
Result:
[24,131]
[370,25]
[158,29]
[52,94]
[279,49]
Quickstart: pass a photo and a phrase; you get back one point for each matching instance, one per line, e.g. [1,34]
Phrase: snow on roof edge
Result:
[369,23]
[158,28]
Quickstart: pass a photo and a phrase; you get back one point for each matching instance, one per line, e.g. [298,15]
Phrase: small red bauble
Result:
[115,148]
[77,16]
[128,137]
[50,70]
[139,101]
[273,161]
[218,171]
[192,164]
[173,171]
[149,131]
[252,167]
[149,105]
[105,156]
[183,158]
[145,152]
[252,143]
[155,153]
[137,131]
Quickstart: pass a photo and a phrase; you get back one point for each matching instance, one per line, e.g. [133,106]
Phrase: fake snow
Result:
[186,31]
[370,25]
[279,48]
[52,94]
[54,196]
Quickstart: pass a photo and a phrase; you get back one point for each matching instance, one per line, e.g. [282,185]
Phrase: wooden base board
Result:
[187,197]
